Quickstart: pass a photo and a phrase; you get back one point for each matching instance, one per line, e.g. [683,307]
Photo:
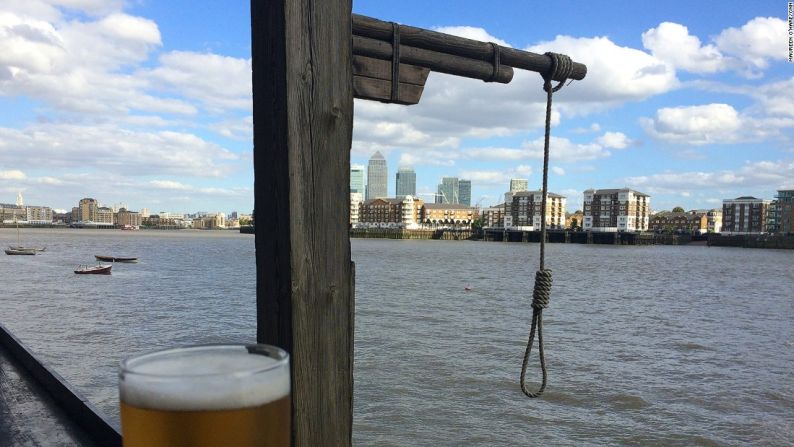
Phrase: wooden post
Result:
[303,121]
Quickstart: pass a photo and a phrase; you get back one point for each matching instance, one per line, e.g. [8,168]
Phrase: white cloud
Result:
[755,43]
[563,150]
[558,170]
[489,178]
[697,125]
[769,175]
[614,140]
[218,82]
[615,74]
[12,175]
[112,149]
[672,43]
[747,49]
[471,32]
[169,184]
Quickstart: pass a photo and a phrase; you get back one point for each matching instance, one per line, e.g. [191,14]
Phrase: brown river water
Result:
[652,345]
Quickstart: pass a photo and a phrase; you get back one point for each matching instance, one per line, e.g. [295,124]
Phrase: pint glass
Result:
[216,395]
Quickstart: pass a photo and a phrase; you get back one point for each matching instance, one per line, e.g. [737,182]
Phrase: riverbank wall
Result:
[752,241]
[580,237]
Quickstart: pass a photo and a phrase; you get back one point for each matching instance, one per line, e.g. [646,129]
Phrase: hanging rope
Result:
[561,67]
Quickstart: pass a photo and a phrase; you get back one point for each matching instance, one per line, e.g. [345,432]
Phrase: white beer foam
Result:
[204,380]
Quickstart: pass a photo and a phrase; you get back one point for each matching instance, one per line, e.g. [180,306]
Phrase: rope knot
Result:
[561,70]
[542,292]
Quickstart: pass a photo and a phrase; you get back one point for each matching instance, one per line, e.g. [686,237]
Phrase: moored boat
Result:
[93,269]
[16,251]
[115,258]
[20,247]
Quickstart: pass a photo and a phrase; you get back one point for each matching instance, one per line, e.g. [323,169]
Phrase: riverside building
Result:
[613,210]
[448,214]
[785,211]
[395,212]
[356,198]
[525,210]
[669,221]
[744,215]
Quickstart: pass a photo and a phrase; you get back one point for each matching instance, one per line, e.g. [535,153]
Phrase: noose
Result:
[561,68]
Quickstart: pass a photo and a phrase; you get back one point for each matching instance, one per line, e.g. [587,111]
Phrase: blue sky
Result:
[148,102]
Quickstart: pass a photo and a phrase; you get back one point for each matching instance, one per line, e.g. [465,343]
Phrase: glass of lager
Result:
[214,395]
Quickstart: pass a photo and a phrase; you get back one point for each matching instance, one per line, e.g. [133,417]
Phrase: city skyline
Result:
[689,103]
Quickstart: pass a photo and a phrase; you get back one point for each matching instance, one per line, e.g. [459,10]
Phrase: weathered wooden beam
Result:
[434,60]
[372,80]
[303,120]
[382,69]
[459,46]
[380,90]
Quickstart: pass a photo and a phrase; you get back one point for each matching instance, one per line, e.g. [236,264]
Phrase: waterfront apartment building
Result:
[128,218]
[493,217]
[357,179]
[613,210]
[714,221]
[519,184]
[744,215]
[785,211]
[574,221]
[525,211]
[13,213]
[38,214]
[406,182]
[212,221]
[448,214]
[356,198]
[165,223]
[377,177]
[677,222]
[464,192]
[104,216]
[87,210]
[389,211]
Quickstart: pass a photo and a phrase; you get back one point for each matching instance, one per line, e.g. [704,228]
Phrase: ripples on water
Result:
[645,345]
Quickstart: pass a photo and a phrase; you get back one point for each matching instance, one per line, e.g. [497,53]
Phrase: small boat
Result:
[26,251]
[467,288]
[93,269]
[19,247]
[115,258]
[21,250]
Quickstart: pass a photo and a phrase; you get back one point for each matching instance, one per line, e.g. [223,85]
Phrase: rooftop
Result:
[447,206]
[532,193]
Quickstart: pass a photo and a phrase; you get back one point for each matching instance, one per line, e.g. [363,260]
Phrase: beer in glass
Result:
[217,395]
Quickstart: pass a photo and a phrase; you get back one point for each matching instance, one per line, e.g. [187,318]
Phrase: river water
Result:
[652,345]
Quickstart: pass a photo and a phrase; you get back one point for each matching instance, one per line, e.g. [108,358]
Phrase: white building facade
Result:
[613,210]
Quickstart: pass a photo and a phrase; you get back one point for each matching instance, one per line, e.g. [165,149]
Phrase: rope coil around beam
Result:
[395,61]
[561,69]
[497,62]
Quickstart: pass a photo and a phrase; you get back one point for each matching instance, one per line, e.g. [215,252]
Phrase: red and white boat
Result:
[93,269]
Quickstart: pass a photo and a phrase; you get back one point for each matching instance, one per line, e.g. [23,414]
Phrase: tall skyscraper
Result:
[464,192]
[519,184]
[406,182]
[377,177]
[448,190]
[357,179]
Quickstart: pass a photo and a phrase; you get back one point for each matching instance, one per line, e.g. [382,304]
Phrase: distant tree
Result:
[477,223]
[574,223]
[678,209]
